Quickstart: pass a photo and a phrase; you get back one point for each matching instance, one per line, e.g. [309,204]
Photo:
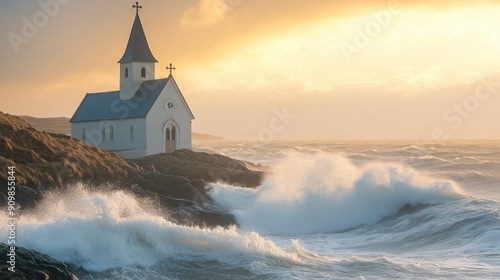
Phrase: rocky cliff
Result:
[45,160]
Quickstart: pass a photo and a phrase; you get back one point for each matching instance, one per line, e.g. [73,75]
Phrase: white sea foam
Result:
[104,230]
[310,193]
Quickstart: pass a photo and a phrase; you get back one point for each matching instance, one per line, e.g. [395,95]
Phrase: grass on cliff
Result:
[44,159]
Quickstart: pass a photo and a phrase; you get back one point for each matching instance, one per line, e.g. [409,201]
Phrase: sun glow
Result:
[415,47]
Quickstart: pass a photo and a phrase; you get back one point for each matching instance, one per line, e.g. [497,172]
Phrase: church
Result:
[146,116]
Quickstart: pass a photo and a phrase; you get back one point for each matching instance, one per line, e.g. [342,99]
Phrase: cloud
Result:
[414,82]
[207,13]
[407,81]
[285,83]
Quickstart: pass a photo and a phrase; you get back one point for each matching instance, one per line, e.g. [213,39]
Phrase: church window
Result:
[103,134]
[131,133]
[84,135]
[143,72]
[111,133]
[126,72]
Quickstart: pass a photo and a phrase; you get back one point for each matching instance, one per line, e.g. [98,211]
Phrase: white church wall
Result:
[160,114]
[121,140]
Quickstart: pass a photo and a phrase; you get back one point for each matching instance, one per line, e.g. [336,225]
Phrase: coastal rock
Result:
[187,201]
[203,166]
[31,264]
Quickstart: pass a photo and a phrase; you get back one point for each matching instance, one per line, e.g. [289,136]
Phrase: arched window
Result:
[84,135]
[126,72]
[112,133]
[131,133]
[143,72]
[103,134]
[173,133]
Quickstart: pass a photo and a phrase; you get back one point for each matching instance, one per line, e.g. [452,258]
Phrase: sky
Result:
[271,70]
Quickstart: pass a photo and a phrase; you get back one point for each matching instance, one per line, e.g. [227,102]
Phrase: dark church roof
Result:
[137,47]
[108,106]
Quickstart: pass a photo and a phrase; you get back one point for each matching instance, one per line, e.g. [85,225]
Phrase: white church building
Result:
[146,116]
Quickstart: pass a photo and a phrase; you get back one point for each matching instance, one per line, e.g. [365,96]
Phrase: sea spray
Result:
[99,231]
[320,192]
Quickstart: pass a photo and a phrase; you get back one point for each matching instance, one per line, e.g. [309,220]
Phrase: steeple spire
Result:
[137,47]
[138,63]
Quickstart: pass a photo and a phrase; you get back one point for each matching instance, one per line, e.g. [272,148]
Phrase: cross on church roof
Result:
[136,6]
[170,68]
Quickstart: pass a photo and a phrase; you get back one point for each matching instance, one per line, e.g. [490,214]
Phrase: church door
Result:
[170,144]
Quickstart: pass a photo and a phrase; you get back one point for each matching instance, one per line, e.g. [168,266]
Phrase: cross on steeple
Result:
[136,6]
[170,68]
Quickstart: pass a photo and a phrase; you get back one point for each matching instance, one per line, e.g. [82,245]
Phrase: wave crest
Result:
[311,193]
[99,231]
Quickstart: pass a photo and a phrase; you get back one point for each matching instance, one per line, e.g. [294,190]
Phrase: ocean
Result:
[327,210]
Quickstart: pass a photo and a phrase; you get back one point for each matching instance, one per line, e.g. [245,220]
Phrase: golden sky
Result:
[271,69]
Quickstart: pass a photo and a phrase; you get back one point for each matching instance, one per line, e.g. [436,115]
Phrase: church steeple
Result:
[137,63]
[137,47]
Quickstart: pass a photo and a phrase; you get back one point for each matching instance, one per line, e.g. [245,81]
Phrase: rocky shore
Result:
[48,162]
[34,265]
